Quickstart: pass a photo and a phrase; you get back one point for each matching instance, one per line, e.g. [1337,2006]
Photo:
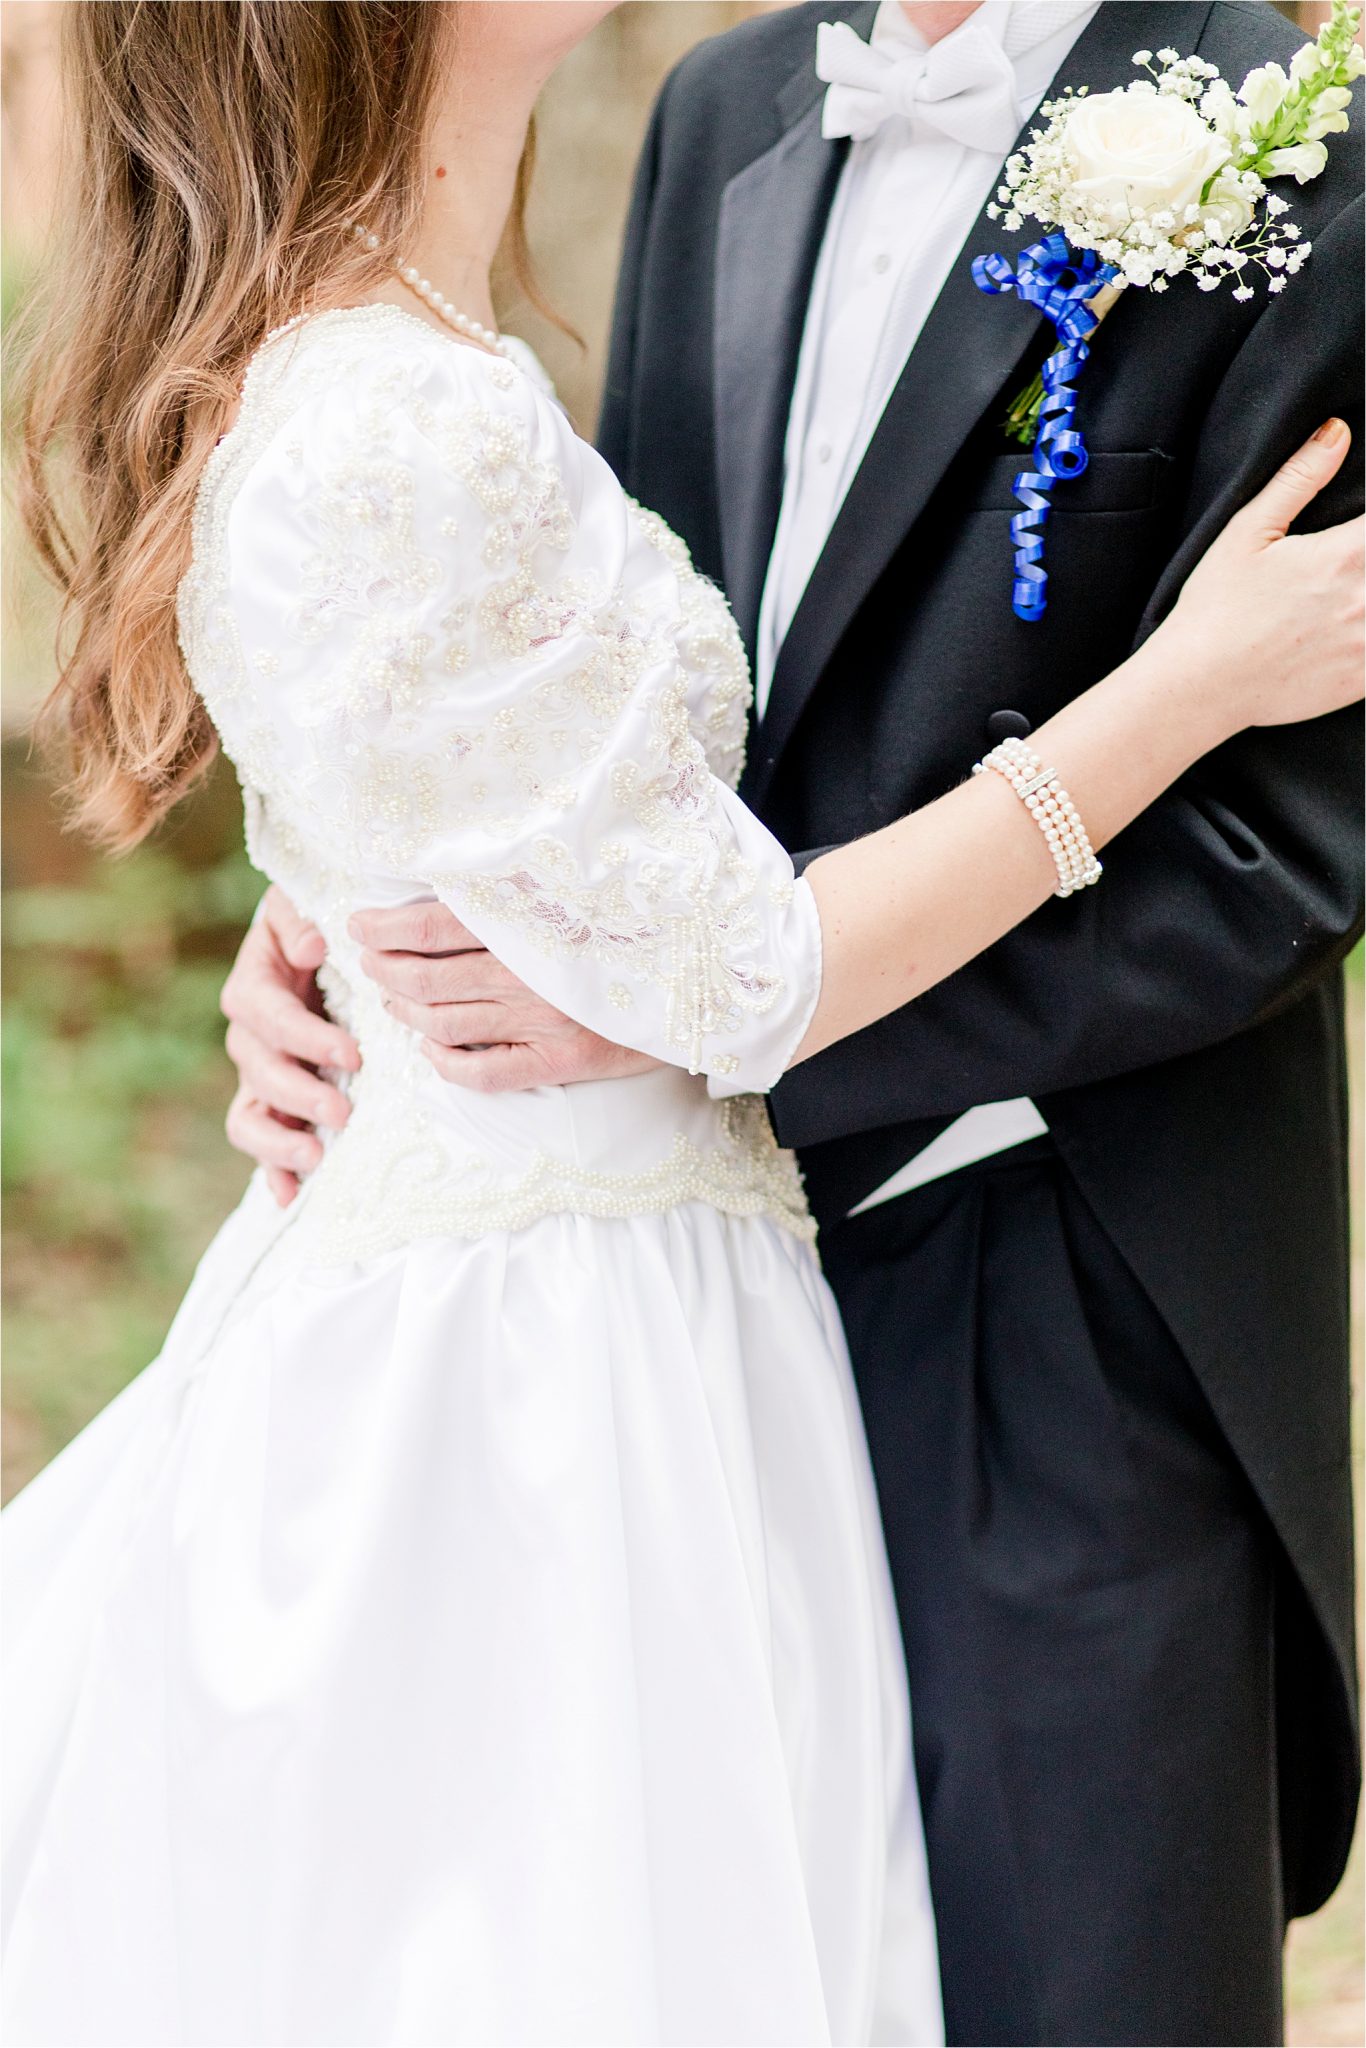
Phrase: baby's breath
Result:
[1274,126]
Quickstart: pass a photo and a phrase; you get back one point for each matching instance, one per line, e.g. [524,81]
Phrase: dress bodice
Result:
[451,660]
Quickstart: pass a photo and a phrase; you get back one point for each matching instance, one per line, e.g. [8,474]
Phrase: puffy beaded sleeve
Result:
[451,658]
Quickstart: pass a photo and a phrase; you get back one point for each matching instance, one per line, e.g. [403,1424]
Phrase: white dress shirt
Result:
[907,199]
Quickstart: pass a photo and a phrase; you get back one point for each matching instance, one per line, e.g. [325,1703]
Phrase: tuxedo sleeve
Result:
[1235,891]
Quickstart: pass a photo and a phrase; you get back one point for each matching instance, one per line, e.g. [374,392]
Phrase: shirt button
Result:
[882,264]
[824,451]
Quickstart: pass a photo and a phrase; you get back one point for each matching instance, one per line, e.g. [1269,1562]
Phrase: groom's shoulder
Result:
[1248,32]
[738,74]
[767,46]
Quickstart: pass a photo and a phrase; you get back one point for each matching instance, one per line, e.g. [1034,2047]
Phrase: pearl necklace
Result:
[474,330]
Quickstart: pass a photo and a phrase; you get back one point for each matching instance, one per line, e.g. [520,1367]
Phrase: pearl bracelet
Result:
[1052,809]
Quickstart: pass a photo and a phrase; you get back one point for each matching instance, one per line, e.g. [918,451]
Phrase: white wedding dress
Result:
[475,1626]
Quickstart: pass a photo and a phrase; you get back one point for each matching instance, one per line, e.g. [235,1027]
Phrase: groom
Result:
[1084,1206]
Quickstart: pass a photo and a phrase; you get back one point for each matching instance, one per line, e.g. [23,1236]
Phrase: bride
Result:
[474,1627]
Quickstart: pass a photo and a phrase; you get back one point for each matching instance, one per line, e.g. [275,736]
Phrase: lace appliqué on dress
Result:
[529,697]
[390,1183]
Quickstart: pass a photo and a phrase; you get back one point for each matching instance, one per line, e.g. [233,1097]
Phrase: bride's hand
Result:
[1274,621]
[1268,631]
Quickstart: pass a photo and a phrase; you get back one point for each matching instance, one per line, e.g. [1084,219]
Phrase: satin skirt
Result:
[491,1642]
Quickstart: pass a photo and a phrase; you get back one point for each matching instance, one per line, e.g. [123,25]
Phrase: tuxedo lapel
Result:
[772,218]
[965,355]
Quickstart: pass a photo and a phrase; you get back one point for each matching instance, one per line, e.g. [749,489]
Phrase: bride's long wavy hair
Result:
[216,149]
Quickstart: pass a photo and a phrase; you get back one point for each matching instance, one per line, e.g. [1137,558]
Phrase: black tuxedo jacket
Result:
[1180,1025]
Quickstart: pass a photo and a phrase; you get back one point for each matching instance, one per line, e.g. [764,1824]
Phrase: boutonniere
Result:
[1165,177]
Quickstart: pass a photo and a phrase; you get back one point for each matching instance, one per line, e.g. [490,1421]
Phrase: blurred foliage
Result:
[1324,1969]
[114,1167]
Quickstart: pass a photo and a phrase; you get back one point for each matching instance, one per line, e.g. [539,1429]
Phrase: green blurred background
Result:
[115,1169]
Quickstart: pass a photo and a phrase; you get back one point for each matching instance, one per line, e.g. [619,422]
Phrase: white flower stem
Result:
[1109,295]
[1022,421]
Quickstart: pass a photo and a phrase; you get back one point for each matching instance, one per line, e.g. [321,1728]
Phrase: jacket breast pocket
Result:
[1114,480]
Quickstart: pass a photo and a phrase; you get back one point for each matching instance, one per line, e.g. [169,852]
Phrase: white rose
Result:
[1134,151]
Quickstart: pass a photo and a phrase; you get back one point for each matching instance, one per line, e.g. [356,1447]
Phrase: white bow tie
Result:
[964,86]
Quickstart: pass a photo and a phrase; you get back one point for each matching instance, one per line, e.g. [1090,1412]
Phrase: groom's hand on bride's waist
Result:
[481,1027]
[278,1039]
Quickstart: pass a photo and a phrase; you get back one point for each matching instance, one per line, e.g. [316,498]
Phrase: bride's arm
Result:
[900,910]
[477,673]
[1268,631]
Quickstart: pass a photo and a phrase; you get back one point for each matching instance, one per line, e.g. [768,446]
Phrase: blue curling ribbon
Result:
[1059,281]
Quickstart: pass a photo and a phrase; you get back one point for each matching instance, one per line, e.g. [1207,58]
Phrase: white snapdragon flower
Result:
[1329,116]
[1263,93]
[1302,161]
